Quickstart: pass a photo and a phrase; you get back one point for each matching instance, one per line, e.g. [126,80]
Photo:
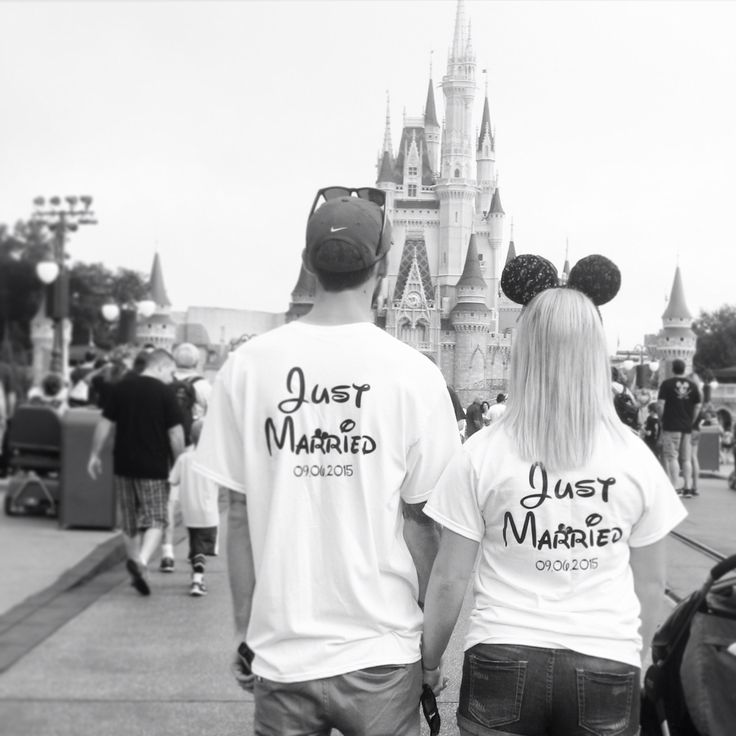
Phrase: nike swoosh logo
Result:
[337,229]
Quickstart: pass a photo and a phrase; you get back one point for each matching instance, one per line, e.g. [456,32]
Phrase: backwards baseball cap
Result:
[347,233]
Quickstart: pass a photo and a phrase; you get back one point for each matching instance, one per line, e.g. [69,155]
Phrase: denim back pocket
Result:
[495,689]
[605,701]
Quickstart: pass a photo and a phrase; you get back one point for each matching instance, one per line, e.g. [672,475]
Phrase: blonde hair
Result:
[560,390]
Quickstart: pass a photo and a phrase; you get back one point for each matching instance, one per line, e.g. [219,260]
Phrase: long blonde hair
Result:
[560,389]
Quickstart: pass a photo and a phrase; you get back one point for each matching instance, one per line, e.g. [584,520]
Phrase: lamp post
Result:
[628,364]
[60,218]
[127,313]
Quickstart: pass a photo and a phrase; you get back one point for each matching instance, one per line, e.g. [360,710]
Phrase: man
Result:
[193,392]
[678,403]
[334,433]
[474,417]
[148,437]
[497,409]
[8,400]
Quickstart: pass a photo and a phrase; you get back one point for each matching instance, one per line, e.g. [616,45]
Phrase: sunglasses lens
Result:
[335,192]
[372,195]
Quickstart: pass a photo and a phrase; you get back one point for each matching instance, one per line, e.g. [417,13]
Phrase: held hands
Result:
[94,467]
[434,678]
[241,667]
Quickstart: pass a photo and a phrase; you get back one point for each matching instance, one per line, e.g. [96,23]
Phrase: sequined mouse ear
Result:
[526,275]
[597,277]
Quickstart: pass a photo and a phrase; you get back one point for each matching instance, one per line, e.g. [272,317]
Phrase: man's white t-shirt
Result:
[326,429]
[554,565]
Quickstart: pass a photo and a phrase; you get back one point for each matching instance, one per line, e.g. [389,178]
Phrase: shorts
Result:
[518,689]
[376,701]
[677,445]
[202,541]
[142,502]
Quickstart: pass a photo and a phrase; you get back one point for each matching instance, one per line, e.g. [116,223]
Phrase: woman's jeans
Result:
[552,692]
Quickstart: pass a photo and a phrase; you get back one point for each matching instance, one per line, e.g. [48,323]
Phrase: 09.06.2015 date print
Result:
[323,471]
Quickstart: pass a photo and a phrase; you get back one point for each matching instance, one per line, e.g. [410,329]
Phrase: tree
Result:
[716,344]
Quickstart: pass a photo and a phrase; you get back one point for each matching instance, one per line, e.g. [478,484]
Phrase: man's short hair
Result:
[500,398]
[678,366]
[186,355]
[159,357]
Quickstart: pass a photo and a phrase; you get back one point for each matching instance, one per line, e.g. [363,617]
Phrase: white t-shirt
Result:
[196,493]
[554,565]
[495,412]
[325,429]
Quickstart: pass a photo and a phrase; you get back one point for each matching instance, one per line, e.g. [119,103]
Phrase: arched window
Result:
[457,173]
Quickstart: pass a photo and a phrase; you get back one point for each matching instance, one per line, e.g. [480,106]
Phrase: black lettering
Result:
[605,484]
[287,433]
[340,394]
[584,488]
[360,390]
[289,406]
[530,525]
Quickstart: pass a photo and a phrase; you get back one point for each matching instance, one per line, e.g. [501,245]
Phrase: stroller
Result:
[689,689]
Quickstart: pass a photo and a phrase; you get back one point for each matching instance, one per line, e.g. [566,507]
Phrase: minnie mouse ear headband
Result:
[527,275]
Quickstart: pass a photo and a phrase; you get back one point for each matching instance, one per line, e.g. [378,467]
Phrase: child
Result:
[652,429]
[199,510]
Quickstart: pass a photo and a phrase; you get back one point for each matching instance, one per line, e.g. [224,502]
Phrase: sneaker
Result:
[138,577]
[694,492]
[687,493]
[167,564]
[197,589]
[680,491]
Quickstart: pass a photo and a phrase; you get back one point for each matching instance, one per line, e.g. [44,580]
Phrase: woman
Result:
[570,510]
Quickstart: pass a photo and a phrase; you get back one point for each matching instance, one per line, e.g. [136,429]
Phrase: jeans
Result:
[376,701]
[677,454]
[546,692]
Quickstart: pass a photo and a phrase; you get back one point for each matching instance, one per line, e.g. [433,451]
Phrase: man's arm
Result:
[99,437]
[176,441]
[660,407]
[423,540]
[648,566]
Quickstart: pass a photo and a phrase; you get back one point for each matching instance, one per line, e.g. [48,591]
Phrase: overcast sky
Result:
[202,130]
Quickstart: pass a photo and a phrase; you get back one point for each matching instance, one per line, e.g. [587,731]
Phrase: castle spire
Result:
[458,39]
[387,146]
[430,111]
[677,307]
[472,275]
[496,207]
[511,253]
[566,265]
[156,284]
[485,123]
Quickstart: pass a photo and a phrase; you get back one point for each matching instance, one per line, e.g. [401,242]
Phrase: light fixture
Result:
[146,307]
[654,366]
[47,271]
[110,312]
[628,364]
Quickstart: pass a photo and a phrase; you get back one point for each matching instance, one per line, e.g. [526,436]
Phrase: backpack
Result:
[187,398]
[626,408]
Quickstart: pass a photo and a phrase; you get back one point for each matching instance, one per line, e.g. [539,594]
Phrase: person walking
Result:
[148,438]
[192,392]
[473,417]
[570,511]
[679,402]
[497,410]
[329,434]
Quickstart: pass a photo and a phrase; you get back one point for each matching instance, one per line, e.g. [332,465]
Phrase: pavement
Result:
[81,653]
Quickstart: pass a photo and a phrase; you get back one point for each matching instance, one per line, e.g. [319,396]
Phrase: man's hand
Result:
[241,667]
[94,466]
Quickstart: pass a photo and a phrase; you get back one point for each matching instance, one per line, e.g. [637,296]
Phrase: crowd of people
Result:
[358,513]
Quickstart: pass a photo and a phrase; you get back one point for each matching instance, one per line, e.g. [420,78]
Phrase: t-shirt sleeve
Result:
[663,510]
[431,451]
[454,501]
[219,453]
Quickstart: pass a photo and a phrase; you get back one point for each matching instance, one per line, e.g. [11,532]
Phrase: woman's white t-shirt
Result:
[554,562]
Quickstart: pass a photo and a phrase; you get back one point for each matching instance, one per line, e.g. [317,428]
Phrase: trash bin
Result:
[709,448]
[84,502]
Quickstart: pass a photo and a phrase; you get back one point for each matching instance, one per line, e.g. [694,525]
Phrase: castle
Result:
[441,294]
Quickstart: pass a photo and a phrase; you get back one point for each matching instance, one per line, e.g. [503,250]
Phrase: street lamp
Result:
[127,314]
[628,364]
[60,217]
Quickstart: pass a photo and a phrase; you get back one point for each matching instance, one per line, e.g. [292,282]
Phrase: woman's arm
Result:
[648,565]
[445,593]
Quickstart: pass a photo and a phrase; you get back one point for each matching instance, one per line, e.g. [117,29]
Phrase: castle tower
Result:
[469,319]
[676,339]
[432,130]
[485,157]
[456,187]
[159,329]
[302,296]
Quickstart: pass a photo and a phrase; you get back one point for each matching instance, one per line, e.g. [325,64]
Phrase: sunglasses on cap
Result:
[370,194]
[430,710]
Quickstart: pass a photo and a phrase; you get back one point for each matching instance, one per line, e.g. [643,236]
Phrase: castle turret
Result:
[676,339]
[432,130]
[159,328]
[470,320]
[485,157]
[302,296]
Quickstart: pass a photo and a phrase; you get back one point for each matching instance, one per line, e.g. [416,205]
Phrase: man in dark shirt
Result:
[473,418]
[148,438]
[678,402]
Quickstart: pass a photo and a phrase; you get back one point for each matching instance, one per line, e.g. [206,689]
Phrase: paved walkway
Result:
[81,653]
